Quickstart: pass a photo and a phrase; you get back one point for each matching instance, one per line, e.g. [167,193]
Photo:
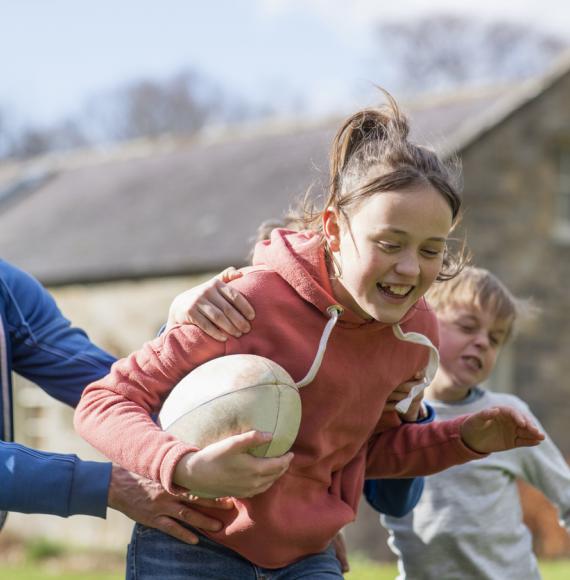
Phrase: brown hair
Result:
[479,287]
[378,138]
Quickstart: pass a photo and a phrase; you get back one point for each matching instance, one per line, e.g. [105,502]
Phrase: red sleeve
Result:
[114,412]
[411,450]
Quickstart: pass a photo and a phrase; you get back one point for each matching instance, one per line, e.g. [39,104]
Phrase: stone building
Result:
[117,233]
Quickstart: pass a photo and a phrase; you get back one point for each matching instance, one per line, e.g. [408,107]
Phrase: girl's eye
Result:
[388,246]
[466,327]
[431,253]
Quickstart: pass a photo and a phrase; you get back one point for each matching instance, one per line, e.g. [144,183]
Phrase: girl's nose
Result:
[408,265]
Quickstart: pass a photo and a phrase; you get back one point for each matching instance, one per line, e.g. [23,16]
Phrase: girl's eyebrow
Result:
[405,233]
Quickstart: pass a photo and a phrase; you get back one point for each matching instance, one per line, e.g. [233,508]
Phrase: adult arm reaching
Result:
[39,343]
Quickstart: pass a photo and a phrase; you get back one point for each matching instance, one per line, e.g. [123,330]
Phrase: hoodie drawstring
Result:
[430,370]
[334,312]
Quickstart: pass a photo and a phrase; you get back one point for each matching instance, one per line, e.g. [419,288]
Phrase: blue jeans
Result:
[157,556]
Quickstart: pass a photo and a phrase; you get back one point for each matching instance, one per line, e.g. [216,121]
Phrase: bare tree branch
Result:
[445,51]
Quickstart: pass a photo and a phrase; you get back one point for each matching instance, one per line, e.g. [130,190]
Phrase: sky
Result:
[55,54]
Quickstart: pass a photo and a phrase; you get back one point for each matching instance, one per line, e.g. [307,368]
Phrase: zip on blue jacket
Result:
[37,342]
[397,497]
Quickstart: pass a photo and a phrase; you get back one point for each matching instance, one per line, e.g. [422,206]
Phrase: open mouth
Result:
[473,363]
[395,290]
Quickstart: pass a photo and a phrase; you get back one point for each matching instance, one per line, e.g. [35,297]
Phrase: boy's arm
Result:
[545,468]
[215,306]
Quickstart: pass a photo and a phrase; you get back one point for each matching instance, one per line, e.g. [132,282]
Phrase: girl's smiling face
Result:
[390,252]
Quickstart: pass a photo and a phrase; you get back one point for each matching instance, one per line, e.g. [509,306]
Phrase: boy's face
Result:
[470,340]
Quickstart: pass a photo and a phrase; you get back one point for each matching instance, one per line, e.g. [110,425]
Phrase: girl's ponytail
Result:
[366,137]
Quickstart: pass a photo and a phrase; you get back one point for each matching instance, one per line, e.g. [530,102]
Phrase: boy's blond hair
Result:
[478,287]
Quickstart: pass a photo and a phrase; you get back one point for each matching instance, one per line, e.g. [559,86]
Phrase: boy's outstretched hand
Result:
[499,429]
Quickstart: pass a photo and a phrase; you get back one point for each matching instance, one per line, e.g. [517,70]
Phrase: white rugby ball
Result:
[231,395]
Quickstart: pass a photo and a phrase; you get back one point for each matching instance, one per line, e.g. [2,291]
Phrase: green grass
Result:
[42,549]
[364,569]
[41,558]
[361,569]
[555,569]
[39,572]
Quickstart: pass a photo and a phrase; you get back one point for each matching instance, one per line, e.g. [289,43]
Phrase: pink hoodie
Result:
[344,433]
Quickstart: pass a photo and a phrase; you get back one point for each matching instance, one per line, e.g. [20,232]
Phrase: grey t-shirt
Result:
[468,523]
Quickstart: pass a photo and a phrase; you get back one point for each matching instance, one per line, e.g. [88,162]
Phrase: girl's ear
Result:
[331,228]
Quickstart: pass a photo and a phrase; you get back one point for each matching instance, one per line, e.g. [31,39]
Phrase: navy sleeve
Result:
[397,497]
[49,483]
[394,497]
[46,349]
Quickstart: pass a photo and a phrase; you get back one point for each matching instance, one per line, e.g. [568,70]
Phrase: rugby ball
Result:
[234,394]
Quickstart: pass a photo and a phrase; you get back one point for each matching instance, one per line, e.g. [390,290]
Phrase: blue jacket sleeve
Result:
[396,497]
[47,350]
[49,483]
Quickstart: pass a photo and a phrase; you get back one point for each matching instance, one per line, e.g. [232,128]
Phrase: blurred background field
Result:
[42,559]
[205,119]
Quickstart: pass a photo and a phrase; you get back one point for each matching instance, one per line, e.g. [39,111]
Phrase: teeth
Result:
[397,289]
[474,361]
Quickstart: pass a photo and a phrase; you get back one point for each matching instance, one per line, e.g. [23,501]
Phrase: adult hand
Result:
[341,552]
[400,393]
[499,429]
[147,503]
[225,468]
[214,306]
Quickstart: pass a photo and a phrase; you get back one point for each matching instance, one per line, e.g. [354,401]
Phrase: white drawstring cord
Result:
[430,370]
[334,311]
[415,337]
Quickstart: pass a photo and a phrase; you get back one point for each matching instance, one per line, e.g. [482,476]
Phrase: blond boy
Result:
[468,523]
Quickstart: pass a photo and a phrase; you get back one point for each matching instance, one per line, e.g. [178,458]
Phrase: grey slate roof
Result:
[179,207]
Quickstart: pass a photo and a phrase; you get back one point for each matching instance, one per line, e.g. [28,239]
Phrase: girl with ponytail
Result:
[366,258]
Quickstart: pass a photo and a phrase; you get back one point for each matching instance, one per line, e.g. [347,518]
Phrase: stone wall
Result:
[511,183]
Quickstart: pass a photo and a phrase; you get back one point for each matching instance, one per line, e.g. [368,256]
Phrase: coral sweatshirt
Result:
[343,435]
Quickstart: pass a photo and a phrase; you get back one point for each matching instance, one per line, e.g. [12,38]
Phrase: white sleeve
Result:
[545,468]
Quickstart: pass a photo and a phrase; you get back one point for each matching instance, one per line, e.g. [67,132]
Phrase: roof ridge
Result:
[473,129]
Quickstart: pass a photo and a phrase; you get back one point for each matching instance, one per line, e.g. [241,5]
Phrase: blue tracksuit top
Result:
[37,342]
